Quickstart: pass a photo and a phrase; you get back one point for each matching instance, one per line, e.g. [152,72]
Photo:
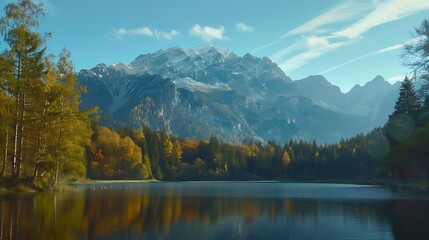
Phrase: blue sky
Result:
[349,42]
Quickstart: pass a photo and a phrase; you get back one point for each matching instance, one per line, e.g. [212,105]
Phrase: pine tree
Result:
[416,56]
[408,101]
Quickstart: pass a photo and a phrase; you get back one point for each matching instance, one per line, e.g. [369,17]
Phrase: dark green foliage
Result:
[408,128]
[408,102]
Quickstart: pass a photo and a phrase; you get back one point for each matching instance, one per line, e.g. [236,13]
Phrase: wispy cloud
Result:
[295,47]
[361,17]
[122,33]
[344,12]
[385,12]
[303,44]
[243,27]
[395,79]
[208,33]
[299,60]
[384,50]
[314,41]
[380,51]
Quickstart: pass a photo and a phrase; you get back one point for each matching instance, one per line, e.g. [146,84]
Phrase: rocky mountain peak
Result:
[197,92]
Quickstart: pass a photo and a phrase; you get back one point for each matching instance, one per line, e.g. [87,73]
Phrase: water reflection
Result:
[163,211]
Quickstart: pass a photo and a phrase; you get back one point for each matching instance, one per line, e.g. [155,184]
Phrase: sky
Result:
[347,41]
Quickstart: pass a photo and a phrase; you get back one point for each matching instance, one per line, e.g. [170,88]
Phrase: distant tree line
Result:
[143,154]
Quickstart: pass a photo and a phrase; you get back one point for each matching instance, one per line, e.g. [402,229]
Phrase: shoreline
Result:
[89,181]
[414,185]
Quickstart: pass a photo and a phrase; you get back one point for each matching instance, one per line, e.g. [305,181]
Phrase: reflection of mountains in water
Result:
[154,214]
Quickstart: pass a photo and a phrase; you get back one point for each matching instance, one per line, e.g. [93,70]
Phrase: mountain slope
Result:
[201,91]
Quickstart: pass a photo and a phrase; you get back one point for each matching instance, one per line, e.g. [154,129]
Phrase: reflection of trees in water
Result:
[42,216]
[410,219]
[92,214]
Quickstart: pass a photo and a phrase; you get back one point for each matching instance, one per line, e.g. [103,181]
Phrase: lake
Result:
[216,210]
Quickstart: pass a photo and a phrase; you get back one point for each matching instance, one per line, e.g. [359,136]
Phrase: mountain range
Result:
[204,91]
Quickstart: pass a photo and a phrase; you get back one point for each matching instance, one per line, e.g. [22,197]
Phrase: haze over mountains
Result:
[197,92]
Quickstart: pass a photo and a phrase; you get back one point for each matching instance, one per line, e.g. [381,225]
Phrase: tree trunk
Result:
[3,171]
[21,145]
[15,141]
[40,149]
[36,172]
[16,138]
[60,138]
[57,170]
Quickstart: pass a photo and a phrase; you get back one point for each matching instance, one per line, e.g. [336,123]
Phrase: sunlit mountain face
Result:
[204,91]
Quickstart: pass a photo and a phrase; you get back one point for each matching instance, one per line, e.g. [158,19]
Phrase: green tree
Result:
[408,101]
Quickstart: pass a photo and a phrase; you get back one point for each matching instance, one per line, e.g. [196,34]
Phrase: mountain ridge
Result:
[231,96]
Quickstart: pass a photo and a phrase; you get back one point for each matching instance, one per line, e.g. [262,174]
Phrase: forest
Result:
[46,138]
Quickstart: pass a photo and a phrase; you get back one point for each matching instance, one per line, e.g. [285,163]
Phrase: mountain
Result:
[374,101]
[201,91]
[249,75]
[322,92]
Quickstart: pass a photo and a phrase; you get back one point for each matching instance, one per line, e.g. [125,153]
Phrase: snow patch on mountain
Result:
[195,86]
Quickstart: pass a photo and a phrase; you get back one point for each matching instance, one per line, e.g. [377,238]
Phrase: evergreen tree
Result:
[408,101]
[416,57]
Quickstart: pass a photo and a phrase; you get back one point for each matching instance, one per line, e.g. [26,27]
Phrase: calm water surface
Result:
[216,210]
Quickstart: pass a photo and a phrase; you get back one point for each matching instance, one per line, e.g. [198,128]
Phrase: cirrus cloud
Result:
[359,17]
[377,52]
[301,59]
[384,12]
[315,41]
